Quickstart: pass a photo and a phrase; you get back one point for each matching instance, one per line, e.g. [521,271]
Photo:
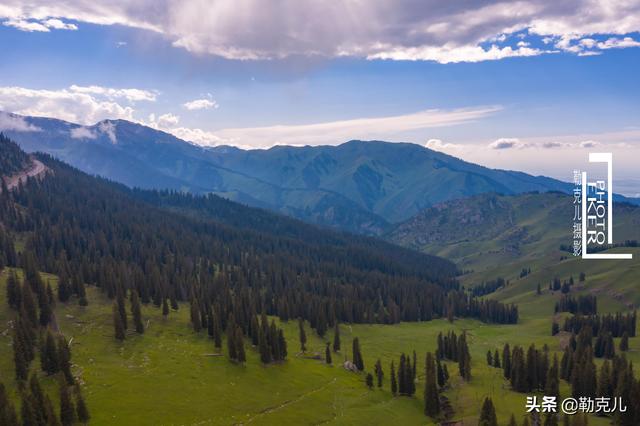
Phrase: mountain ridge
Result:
[358,186]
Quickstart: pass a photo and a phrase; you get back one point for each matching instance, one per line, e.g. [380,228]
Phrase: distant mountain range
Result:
[358,186]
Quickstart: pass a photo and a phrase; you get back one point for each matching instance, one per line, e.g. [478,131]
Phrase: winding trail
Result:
[36,169]
[287,403]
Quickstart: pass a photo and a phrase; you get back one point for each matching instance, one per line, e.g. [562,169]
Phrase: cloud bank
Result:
[377,29]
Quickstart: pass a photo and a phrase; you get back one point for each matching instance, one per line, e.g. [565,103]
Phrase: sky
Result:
[521,85]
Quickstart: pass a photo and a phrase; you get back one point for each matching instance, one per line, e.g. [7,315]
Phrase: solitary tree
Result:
[394,383]
[81,408]
[327,355]
[303,335]
[336,338]
[117,324]
[357,355]
[379,372]
[369,381]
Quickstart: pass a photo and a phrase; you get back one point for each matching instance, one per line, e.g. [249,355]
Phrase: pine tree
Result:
[431,398]
[379,373]
[49,356]
[239,342]
[64,359]
[8,415]
[369,381]
[303,335]
[165,307]
[81,408]
[506,361]
[122,309]
[64,289]
[442,379]
[263,346]
[496,359]
[357,356]
[394,383]
[28,412]
[195,317]
[117,324]
[327,355]
[14,292]
[231,340]
[488,414]
[624,342]
[489,358]
[336,338]
[67,410]
[136,312]
[552,387]
[282,343]
[29,305]
[20,355]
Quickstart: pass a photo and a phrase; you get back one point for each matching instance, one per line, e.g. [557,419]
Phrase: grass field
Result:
[168,376]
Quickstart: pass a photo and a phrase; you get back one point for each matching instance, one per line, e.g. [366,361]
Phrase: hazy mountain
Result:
[357,186]
[500,234]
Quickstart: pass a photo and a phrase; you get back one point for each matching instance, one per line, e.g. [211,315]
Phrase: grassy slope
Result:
[166,374]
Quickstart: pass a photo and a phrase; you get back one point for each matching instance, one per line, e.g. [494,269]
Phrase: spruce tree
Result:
[496,359]
[20,356]
[379,373]
[336,338]
[14,292]
[28,412]
[239,342]
[67,410]
[64,359]
[357,356]
[8,415]
[136,312]
[49,356]
[327,355]
[488,414]
[624,342]
[81,408]
[165,307]
[231,341]
[369,381]
[303,335]
[117,324]
[431,398]
[506,361]
[394,383]
[122,309]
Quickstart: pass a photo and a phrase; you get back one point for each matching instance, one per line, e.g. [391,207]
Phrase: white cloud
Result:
[335,132]
[165,121]
[15,123]
[390,29]
[200,104]
[84,105]
[109,129]
[438,145]
[57,24]
[132,95]
[82,132]
[618,43]
[505,143]
[38,26]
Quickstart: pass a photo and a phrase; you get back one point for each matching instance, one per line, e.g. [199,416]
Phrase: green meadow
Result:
[173,376]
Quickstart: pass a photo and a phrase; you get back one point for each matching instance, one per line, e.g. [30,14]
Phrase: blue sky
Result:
[533,87]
